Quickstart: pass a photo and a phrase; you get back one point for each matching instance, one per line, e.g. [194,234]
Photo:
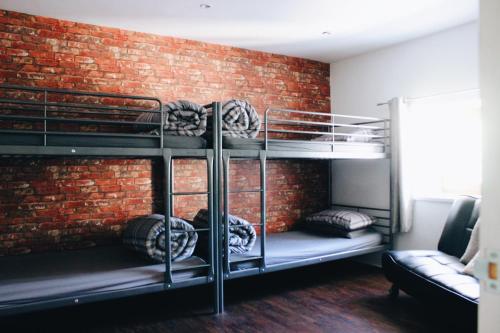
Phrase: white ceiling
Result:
[290,27]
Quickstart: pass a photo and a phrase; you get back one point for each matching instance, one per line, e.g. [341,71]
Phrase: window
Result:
[443,139]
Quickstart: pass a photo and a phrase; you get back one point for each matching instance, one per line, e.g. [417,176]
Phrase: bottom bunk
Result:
[33,278]
[299,248]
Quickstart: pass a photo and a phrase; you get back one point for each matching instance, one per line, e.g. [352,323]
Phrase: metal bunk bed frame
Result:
[224,156]
[45,107]
[218,161]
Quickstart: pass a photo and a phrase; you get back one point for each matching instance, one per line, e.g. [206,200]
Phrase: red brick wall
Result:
[53,203]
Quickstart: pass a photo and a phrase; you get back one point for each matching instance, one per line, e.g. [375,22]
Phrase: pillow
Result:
[345,220]
[469,268]
[473,245]
[360,135]
[331,230]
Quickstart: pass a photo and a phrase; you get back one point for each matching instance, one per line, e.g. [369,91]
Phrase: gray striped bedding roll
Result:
[242,234]
[183,118]
[239,119]
[146,235]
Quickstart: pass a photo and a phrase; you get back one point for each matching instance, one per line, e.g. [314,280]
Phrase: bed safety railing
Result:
[307,126]
[44,112]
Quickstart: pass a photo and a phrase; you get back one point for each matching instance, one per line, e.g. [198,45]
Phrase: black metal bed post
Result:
[266,122]
[263,208]
[217,146]
[393,154]
[211,253]
[167,164]
[162,120]
[45,97]
[226,158]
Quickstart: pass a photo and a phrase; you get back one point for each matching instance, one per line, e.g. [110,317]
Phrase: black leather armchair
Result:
[436,276]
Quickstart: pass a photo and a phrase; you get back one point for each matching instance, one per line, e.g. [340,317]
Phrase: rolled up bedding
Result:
[147,235]
[242,234]
[183,118]
[239,119]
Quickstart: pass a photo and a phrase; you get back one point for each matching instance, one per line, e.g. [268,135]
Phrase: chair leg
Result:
[394,291]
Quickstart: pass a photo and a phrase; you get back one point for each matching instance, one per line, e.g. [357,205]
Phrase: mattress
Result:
[32,277]
[299,245]
[296,145]
[75,140]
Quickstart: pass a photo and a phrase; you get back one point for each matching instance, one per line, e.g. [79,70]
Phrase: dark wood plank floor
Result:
[337,297]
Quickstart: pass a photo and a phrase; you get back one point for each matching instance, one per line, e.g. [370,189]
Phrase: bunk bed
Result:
[291,134]
[38,123]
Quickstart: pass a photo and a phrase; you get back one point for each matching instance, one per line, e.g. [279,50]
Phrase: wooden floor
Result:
[337,297]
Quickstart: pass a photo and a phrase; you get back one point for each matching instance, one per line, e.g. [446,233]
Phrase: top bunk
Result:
[45,121]
[313,135]
[42,121]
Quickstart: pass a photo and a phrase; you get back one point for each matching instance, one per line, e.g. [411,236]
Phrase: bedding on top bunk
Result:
[360,135]
[32,277]
[242,234]
[76,140]
[299,245]
[239,119]
[146,235]
[182,118]
[302,145]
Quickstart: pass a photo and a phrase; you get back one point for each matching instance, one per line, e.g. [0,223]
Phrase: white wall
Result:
[489,318]
[440,63]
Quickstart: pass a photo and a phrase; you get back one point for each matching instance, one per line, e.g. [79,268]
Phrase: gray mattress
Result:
[298,245]
[315,146]
[32,277]
[170,141]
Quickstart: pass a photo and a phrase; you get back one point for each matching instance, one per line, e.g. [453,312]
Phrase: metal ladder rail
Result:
[217,215]
[212,209]
[263,216]
[169,209]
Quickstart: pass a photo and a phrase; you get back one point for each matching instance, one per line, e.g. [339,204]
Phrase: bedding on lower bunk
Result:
[242,234]
[299,245]
[146,235]
[32,277]
[343,223]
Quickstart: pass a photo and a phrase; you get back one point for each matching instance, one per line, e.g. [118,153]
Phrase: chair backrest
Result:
[463,215]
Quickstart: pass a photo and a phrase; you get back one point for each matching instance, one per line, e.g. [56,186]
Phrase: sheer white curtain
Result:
[438,149]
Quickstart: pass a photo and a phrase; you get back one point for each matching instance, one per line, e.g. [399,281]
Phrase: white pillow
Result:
[473,246]
[469,268]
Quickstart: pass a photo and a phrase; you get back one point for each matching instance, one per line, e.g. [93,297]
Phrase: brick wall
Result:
[55,203]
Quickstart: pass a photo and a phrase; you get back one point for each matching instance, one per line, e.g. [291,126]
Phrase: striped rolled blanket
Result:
[183,118]
[242,234]
[239,119]
[147,235]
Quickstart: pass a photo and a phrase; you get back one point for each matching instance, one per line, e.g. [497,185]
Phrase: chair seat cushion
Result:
[431,273]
